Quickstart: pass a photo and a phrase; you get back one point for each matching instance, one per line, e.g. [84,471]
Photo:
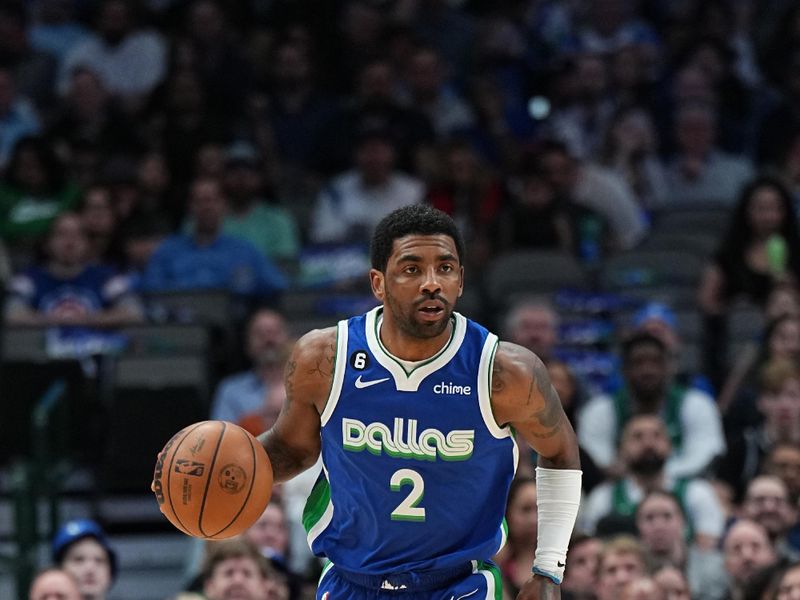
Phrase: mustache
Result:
[429,297]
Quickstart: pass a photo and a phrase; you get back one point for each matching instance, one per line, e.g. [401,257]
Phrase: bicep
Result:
[523,397]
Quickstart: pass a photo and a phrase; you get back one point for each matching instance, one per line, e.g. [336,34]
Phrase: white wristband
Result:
[558,497]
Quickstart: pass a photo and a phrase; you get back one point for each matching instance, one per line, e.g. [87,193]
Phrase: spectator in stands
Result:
[691,417]
[209,259]
[426,77]
[783,461]
[270,534]
[352,203]
[251,217]
[33,192]
[622,560]
[468,191]
[766,502]
[374,101]
[595,188]
[81,548]
[67,290]
[521,516]
[674,583]
[537,217]
[788,583]
[643,452]
[580,576]
[18,117]
[221,62]
[760,249]
[254,398]
[631,152]
[34,71]
[235,565]
[90,116]
[642,588]
[55,28]
[778,403]
[100,223]
[747,550]
[662,525]
[582,123]
[130,60]
[54,584]
[699,172]
[533,324]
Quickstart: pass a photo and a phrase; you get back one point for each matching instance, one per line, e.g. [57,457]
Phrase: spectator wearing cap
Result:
[352,203]
[649,386]
[81,548]
[269,227]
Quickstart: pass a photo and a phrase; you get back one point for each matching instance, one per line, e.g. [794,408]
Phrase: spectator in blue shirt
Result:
[254,397]
[207,259]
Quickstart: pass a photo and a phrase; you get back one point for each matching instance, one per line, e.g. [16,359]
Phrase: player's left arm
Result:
[524,398]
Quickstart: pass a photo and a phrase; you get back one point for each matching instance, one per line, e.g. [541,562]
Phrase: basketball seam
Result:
[169,478]
[208,481]
[249,491]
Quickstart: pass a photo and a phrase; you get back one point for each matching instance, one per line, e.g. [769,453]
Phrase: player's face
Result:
[88,562]
[236,579]
[422,282]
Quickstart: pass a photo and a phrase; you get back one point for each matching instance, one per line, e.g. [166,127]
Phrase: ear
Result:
[461,281]
[377,281]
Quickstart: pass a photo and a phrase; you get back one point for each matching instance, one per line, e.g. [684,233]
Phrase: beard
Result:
[647,463]
[406,320]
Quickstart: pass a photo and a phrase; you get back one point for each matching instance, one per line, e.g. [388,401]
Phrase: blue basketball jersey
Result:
[415,469]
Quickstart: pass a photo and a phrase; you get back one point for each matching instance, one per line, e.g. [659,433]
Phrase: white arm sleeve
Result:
[704,509]
[558,497]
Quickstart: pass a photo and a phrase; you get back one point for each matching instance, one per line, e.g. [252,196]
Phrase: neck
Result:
[648,483]
[406,347]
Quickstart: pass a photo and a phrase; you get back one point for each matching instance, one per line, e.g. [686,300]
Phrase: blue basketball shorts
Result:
[479,580]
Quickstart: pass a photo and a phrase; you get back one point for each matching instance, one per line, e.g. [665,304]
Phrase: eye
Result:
[447,267]
[411,269]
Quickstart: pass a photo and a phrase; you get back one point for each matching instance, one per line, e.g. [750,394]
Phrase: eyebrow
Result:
[416,258]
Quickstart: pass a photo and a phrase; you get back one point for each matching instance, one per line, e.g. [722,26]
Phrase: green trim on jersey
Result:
[494,571]
[317,503]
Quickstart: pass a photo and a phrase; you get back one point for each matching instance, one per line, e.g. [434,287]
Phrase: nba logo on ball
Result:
[232,478]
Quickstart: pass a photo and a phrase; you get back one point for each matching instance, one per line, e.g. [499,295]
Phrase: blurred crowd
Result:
[157,146]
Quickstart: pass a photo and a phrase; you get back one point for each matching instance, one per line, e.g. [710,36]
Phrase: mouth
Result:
[431,310]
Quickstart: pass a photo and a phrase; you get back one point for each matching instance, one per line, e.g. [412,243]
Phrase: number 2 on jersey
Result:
[408,510]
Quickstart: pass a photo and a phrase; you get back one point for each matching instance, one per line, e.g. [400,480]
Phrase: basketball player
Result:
[413,408]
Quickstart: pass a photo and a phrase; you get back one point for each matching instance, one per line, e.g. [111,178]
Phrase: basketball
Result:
[212,480]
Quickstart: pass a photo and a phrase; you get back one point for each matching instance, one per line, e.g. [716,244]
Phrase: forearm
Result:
[287,462]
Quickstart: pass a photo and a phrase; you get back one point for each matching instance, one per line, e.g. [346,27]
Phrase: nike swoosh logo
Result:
[464,595]
[365,384]
[560,564]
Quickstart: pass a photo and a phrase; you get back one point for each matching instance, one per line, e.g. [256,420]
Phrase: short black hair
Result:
[641,338]
[420,219]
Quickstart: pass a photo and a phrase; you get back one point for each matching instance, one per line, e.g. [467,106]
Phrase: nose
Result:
[431,284]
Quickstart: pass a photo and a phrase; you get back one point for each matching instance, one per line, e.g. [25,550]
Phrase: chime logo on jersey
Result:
[403,441]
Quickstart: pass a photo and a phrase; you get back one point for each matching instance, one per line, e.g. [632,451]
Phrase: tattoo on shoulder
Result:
[549,416]
[325,364]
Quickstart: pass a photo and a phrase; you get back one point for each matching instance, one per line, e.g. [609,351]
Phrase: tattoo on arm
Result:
[549,416]
[324,367]
[285,464]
